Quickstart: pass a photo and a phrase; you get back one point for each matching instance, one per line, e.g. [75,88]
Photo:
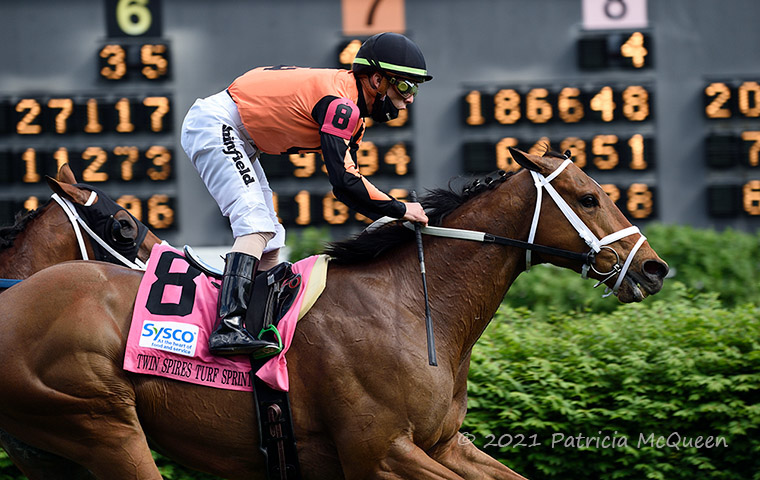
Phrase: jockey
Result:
[284,109]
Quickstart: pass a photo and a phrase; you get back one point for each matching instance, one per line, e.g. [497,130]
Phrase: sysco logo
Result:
[167,333]
[172,337]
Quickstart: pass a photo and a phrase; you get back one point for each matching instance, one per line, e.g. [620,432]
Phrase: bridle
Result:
[78,224]
[588,260]
[76,221]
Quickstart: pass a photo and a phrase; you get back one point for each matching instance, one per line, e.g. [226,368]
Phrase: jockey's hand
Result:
[415,213]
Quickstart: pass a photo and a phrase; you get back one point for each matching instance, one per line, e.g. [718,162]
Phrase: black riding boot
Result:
[231,337]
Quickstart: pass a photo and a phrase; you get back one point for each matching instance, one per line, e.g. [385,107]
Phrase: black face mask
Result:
[100,218]
[383,109]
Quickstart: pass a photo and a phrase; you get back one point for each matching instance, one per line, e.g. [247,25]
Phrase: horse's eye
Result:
[589,201]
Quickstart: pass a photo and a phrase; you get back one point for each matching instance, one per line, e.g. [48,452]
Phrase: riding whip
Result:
[428,320]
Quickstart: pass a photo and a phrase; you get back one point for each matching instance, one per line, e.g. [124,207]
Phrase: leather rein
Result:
[587,260]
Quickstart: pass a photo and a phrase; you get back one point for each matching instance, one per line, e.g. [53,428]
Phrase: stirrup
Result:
[271,349]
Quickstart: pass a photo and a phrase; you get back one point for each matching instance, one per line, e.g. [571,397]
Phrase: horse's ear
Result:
[65,175]
[522,159]
[75,194]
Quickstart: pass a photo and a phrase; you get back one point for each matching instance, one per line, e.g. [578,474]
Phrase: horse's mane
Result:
[9,233]
[438,203]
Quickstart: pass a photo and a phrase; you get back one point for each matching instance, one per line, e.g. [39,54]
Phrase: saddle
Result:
[273,294]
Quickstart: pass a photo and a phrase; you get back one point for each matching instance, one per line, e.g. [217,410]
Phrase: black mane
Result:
[438,203]
[9,233]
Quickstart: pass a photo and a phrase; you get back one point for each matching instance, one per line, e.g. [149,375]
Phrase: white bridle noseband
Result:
[544,183]
[77,221]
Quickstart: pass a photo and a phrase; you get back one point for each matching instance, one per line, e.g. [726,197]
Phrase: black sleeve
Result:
[349,186]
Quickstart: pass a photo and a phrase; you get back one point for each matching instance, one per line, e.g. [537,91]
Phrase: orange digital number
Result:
[25,126]
[569,106]
[160,214]
[636,103]
[507,106]
[754,149]
[153,57]
[66,105]
[577,149]
[400,121]
[124,110]
[749,99]
[634,49]
[751,197]
[303,202]
[93,119]
[334,211]
[636,143]
[603,146]
[603,103]
[537,108]
[97,158]
[639,202]
[161,158]
[612,191]
[31,174]
[474,108]
[161,105]
[716,108]
[61,156]
[504,160]
[367,159]
[305,164]
[398,157]
[132,155]
[115,57]
[132,204]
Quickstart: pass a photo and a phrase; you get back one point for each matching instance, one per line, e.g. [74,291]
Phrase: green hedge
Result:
[626,395]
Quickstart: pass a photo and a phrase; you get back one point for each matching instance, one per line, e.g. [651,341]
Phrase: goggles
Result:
[405,88]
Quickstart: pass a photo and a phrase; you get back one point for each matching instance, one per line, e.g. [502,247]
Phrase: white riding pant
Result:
[214,138]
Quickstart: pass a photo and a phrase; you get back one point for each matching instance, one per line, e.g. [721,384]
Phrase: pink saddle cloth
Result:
[175,311]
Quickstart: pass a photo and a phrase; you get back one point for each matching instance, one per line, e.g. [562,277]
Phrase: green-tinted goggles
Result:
[405,88]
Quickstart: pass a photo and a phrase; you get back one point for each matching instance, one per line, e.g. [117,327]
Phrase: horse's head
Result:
[589,221]
[108,220]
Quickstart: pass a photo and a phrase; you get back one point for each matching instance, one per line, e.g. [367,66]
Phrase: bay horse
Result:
[47,236]
[365,402]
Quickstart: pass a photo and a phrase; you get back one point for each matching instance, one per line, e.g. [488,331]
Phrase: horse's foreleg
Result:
[462,456]
[37,464]
[404,461]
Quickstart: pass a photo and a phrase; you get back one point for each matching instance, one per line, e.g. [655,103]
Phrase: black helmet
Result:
[391,54]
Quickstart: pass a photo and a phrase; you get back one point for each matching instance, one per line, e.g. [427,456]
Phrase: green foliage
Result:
[173,471]
[679,369]
[309,241]
[726,262]
[8,471]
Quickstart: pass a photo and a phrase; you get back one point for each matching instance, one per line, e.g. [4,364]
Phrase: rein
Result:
[588,260]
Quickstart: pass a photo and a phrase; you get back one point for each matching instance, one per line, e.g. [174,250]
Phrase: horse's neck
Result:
[45,241]
[468,280]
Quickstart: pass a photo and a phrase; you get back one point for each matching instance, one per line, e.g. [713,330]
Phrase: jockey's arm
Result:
[340,130]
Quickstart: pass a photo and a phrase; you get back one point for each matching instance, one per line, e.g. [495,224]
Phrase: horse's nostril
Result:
[655,268]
